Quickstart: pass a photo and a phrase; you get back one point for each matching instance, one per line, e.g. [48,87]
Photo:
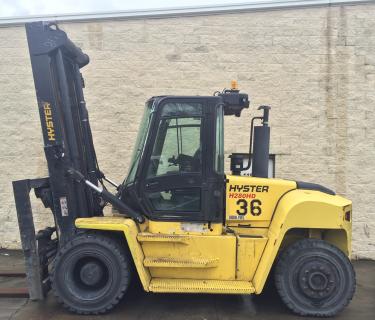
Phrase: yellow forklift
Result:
[182,224]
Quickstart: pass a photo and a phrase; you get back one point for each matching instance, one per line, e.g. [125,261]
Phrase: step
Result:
[201,286]
[151,237]
[167,262]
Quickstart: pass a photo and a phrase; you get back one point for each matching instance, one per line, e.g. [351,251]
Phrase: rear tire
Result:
[314,278]
[90,274]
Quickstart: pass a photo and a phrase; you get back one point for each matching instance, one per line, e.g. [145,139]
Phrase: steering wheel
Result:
[173,161]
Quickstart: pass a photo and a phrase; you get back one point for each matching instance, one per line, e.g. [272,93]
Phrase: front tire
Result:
[314,278]
[90,274]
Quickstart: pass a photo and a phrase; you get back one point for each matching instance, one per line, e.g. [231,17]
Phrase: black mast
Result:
[56,64]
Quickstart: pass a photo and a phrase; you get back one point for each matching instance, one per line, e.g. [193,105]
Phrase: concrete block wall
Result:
[314,66]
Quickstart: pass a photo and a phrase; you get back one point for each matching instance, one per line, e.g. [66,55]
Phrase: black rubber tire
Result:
[314,278]
[90,274]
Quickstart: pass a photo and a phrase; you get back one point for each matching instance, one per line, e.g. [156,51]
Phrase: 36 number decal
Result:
[243,207]
[255,207]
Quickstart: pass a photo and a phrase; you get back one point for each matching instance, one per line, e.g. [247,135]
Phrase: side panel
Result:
[249,252]
[130,230]
[206,257]
[302,209]
[252,201]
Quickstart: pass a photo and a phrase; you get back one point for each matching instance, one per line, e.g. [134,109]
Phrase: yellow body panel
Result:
[204,257]
[249,252]
[252,201]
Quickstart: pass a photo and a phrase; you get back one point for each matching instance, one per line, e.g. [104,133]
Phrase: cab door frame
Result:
[210,182]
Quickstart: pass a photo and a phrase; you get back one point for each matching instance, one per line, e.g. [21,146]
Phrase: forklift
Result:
[180,224]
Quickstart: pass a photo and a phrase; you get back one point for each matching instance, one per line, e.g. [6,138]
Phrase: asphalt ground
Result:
[140,305]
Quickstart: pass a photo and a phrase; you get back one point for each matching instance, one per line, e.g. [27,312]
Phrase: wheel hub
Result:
[316,280]
[91,273]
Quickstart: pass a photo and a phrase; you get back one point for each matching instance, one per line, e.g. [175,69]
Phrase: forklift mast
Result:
[68,143]
[74,187]
[68,147]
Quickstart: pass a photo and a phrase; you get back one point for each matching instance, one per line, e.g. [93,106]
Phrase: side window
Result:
[178,199]
[177,147]
[177,152]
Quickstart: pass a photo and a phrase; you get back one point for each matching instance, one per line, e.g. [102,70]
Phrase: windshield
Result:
[139,144]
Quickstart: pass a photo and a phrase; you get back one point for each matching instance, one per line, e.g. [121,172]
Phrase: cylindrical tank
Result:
[261,149]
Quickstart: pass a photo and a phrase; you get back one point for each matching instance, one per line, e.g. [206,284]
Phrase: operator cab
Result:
[177,167]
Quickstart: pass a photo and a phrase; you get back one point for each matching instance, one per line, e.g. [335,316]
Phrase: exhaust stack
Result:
[261,146]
